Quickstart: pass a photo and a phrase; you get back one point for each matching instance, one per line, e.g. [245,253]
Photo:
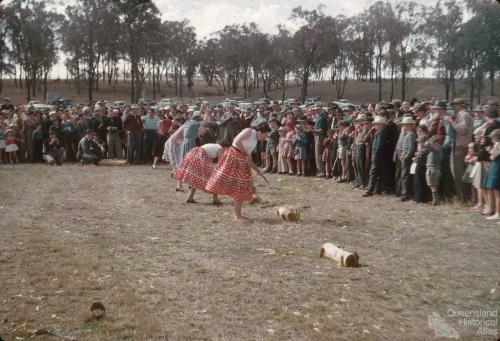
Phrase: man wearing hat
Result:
[150,123]
[113,124]
[320,127]
[404,154]
[133,127]
[478,116]
[463,125]
[376,182]
[362,136]
[258,122]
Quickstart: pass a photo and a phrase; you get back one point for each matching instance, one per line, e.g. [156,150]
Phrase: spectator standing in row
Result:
[462,124]
[134,127]
[150,123]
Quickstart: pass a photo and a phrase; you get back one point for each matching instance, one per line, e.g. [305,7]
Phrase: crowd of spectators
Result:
[425,151]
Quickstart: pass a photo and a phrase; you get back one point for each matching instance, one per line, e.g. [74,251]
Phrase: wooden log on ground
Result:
[342,257]
[113,162]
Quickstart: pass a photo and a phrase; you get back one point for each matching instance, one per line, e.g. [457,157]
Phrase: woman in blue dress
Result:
[492,180]
[191,129]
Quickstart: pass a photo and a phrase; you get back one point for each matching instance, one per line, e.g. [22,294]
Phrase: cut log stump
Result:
[342,257]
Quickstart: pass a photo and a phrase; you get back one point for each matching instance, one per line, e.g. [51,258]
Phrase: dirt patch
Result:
[164,269]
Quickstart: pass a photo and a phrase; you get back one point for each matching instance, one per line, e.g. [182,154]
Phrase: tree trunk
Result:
[133,66]
[33,85]
[28,88]
[305,82]
[45,76]
[492,82]
[180,81]
[154,82]
[471,85]
[283,90]
[392,82]
[21,78]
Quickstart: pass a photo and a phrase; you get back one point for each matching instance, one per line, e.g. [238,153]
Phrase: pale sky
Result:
[208,16]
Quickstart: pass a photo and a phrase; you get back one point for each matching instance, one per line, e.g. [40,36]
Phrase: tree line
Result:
[126,40]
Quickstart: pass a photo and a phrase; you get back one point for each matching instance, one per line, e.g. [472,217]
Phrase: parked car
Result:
[343,103]
[119,104]
[244,105]
[39,106]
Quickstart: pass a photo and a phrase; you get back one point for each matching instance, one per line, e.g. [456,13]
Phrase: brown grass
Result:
[357,92]
[163,269]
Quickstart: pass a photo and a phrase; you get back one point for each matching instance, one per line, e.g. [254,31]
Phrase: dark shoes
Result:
[405,198]
[368,194]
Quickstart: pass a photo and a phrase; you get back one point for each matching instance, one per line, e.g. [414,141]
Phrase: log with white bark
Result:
[342,257]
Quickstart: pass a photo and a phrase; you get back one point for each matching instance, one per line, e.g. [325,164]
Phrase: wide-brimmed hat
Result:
[460,101]
[361,117]
[418,107]
[440,105]
[478,108]
[231,105]
[407,120]
[379,120]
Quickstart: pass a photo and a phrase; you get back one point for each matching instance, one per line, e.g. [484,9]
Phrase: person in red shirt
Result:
[133,126]
[163,132]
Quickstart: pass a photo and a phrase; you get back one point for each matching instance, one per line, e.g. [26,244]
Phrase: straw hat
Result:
[361,117]
[379,120]
[407,120]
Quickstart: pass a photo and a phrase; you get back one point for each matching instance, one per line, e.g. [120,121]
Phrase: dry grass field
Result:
[357,92]
[166,270]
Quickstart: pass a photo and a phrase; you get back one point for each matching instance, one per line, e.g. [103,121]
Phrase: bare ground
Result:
[167,270]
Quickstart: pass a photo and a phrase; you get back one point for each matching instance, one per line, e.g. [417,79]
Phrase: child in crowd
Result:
[433,165]
[470,164]
[11,147]
[300,144]
[38,143]
[272,141]
[419,178]
[327,153]
[343,138]
[282,164]
[492,180]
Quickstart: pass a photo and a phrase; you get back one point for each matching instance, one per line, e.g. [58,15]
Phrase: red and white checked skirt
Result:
[195,169]
[232,176]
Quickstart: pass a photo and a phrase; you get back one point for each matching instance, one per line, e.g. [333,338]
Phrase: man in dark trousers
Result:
[392,135]
[133,126]
[376,182]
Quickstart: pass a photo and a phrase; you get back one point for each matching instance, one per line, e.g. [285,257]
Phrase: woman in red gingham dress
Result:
[232,175]
[197,167]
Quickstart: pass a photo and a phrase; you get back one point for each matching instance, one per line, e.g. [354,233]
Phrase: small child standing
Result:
[300,144]
[492,180]
[282,164]
[11,147]
[38,143]
[327,153]
[433,165]
[272,141]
